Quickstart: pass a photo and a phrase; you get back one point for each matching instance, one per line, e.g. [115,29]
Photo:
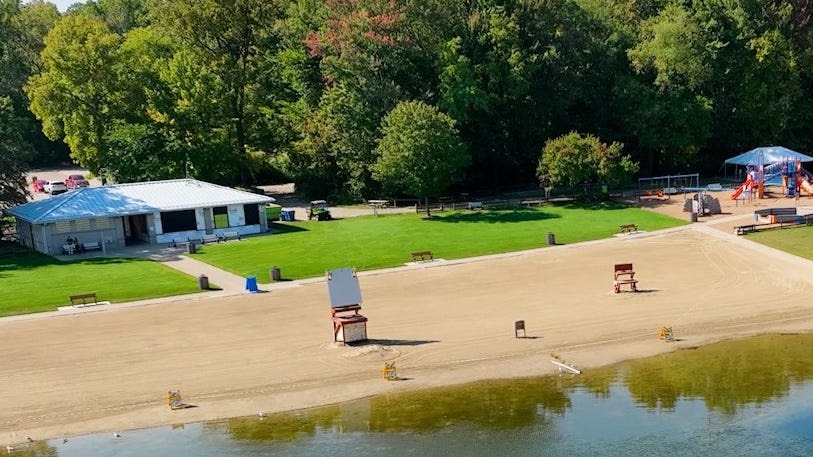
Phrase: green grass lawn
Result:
[33,282]
[797,241]
[307,249]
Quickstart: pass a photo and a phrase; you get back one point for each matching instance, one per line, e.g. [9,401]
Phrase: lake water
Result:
[750,397]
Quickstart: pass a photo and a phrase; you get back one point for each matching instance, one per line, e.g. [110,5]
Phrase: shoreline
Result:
[234,356]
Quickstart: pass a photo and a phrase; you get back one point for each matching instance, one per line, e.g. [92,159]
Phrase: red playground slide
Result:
[746,185]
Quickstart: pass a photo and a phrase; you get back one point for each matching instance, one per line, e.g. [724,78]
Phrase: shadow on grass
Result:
[277,228]
[604,206]
[29,260]
[512,215]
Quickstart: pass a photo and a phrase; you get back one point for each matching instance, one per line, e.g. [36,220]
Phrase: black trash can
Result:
[203,282]
[693,217]
[191,248]
[275,274]
[551,239]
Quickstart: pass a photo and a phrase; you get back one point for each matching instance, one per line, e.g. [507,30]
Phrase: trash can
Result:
[286,214]
[551,239]
[203,282]
[191,248]
[251,283]
[692,217]
[275,274]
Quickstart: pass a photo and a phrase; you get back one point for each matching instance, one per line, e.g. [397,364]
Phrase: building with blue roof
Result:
[154,212]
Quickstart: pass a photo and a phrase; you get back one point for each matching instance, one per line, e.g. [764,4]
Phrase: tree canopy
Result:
[242,91]
[420,152]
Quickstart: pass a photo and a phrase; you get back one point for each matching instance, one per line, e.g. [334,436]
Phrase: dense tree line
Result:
[240,91]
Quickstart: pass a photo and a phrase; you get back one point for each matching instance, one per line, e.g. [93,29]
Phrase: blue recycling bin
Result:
[251,283]
[287,215]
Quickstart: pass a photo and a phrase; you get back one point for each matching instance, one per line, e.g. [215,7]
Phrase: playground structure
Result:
[624,276]
[775,166]
[345,303]
[664,186]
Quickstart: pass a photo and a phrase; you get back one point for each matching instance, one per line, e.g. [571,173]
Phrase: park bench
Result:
[91,246]
[530,203]
[84,298]
[422,256]
[475,205]
[234,235]
[743,229]
[209,238]
[624,275]
[177,242]
[628,228]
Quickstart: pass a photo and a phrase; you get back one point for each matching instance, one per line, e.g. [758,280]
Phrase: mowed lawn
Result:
[33,282]
[797,241]
[306,249]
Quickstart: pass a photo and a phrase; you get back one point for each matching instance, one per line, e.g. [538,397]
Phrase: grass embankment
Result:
[797,241]
[306,249]
[33,282]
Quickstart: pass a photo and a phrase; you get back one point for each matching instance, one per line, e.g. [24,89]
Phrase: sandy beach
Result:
[443,323]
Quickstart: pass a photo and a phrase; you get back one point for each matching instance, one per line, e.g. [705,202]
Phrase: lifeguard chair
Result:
[624,275]
[345,303]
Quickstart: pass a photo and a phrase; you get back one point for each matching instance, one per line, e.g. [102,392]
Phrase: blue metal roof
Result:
[129,199]
[768,155]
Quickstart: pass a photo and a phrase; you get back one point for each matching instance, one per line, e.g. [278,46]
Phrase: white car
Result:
[54,187]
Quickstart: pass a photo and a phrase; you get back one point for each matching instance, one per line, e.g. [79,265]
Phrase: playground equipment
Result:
[702,204]
[624,275]
[318,209]
[772,166]
[345,303]
[660,186]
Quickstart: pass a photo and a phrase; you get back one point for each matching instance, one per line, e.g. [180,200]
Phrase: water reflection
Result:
[725,376]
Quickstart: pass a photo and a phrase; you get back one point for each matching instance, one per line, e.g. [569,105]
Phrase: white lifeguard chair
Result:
[345,303]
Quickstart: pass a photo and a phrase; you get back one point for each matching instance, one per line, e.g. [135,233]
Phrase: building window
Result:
[252,214]
[179,221]
[221,216]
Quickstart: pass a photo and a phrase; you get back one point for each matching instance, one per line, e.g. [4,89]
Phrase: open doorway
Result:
[135,229]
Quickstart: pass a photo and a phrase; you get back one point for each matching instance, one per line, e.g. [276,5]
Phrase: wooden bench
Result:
[474,205]
[209,238]
[624,275]
[226,236]
[91,246]
[422,256]
[743,229]
[628,228]
[177,242]
[84,298]
[530,203]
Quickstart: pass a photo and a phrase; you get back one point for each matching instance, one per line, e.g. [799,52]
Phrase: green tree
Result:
[76,95]
[14,154]
[584,161]
[419,152]
[233,39]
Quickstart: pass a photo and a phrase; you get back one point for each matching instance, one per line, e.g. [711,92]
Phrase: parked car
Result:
[37,185]
[54,187]
[76,181]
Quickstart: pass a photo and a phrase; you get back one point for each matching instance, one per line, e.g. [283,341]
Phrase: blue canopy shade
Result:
[768,155]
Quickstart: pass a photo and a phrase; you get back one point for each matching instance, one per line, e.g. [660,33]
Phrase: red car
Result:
[37,185]
[76,181]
